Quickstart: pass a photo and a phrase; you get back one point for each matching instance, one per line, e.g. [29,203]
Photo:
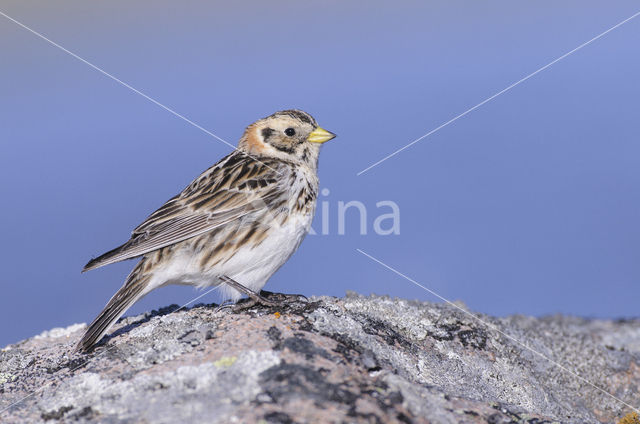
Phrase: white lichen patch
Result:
[236,381]
[6,377]
[57,332]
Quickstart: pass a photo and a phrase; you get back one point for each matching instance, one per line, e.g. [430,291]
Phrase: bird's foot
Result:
[283,298]
[264,298]
[253,300]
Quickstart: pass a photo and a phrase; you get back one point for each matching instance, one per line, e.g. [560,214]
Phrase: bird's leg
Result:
[254,297]
[277,299]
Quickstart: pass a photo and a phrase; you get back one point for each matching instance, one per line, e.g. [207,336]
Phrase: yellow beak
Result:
[320,135]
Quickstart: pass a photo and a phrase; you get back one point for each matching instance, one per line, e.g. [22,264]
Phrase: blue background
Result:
[529,204]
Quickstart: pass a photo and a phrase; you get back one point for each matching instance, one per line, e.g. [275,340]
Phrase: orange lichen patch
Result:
[277,314]
[630,418]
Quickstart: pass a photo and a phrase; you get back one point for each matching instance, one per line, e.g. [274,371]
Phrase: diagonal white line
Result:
[119,81]
[586,43]
[95,357]
[496,329]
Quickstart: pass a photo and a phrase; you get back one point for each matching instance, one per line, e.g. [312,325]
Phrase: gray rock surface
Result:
[356,359]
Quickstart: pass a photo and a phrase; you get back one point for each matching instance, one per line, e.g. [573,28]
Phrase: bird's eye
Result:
[290,132]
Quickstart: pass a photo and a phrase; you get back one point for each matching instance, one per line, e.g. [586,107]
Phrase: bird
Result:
[232,227]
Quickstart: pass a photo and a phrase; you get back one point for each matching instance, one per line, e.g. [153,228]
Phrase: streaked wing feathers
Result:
[222,194]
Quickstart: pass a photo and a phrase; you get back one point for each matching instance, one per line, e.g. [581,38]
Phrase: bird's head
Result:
[288,134]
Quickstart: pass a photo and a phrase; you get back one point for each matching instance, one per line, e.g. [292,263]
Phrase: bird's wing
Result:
[233,188]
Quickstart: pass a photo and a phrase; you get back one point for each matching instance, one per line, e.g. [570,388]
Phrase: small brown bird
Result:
[233,226]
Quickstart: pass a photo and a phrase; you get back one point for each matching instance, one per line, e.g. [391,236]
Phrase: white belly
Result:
[249,267]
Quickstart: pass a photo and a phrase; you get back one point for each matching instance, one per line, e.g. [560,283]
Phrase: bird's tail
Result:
[134,288]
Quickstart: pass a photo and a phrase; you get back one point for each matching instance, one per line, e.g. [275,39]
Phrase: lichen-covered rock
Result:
[356,359]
